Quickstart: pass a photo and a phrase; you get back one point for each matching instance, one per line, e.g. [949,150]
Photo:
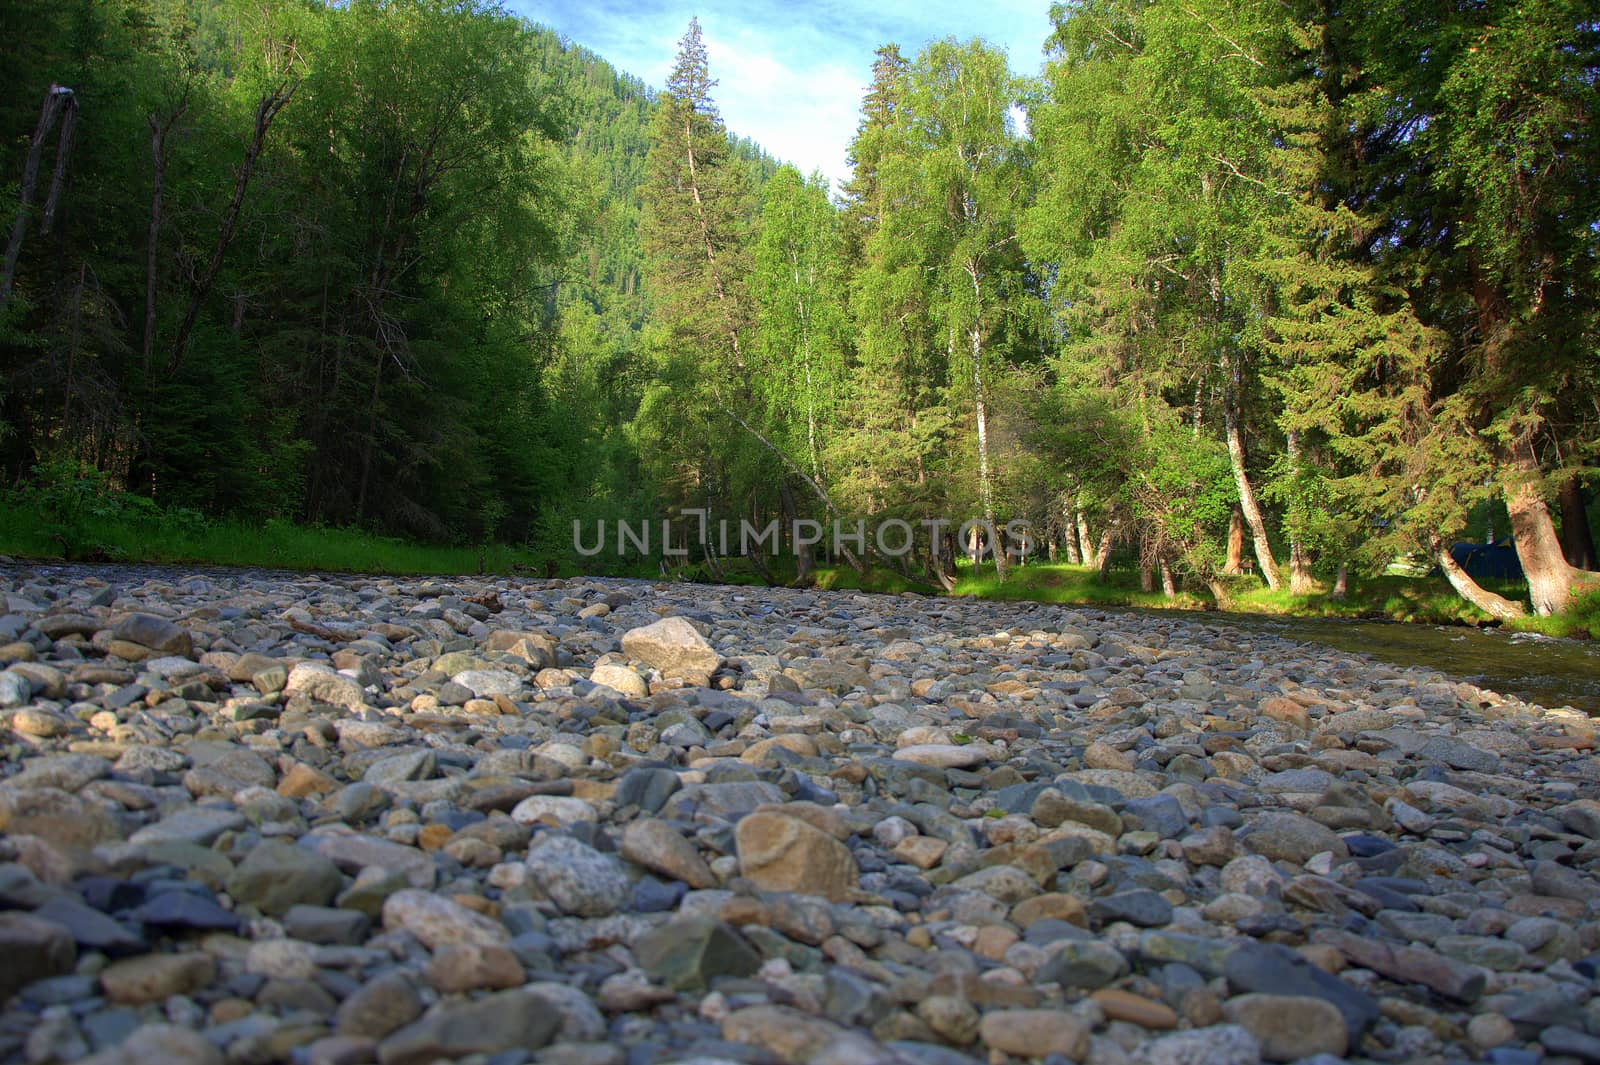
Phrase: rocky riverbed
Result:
[332,820]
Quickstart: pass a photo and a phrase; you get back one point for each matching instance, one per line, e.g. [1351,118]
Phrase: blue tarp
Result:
[1496,561]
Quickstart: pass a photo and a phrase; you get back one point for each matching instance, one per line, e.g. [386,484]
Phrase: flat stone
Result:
[440,922]
[1223,1044]
[1035,1033]
[659,847]
[154,633]
[947,756]
[35,949]
[504,1021]
[1288,837]
[378,1007]
[1290,1027]
[690,952]
[156,977]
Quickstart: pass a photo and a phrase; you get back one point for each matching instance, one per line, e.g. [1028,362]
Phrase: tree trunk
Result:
[1070,535]
[1550,576]
[1169,587]
[1102,554]
[1341,583]
[1301,582]
[152,244]
[54,100]
[1577,540]
[1247,496]
[272,101]
[58,176]
[1469,589]
[984,486]
[790,514]
[371,442]
[1085,541]
[1147,567]
[1235,563]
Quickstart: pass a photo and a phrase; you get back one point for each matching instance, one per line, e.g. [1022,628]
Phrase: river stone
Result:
[577,878]
[781,853]
[58,817]
[794,1035]
[947,756]
[1223,1044]
[156,634]
[378,1007]
[439,922]
[488,683]
[14,691]
[155,977]
[1036,1033]
[1084,963]
[159,1044]
[553,810]
[42,723]
[68,772]
[200,825]
[661,848]
[621,679]
[276,875]
[34,949]
[689,952]
[671,645]
[460,968]
[316,681]
[1289,1027]
[398,768]
[353,853]
[1276,970]
[504,1021]
[1288,837]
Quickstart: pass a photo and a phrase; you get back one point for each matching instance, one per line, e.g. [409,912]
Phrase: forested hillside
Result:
[1283,288]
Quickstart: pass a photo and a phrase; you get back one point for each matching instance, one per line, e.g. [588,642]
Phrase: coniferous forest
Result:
[1287,287]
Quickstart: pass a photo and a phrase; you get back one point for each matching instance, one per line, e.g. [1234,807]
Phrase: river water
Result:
[1535,668]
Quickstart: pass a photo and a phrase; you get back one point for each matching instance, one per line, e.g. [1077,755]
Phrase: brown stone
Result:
[301,781]
[1059,907]
[781,853]
[923,852]
[154,977]
[1290,1027]
[34,949]
[1413,965]
[1036,1033]
[1136,1009]
[1286,712]
[464,968]
[661,848]
[432,837]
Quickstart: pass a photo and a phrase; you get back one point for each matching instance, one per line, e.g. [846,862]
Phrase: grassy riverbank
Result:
[85,523]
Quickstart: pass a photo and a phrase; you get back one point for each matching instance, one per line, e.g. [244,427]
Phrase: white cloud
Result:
[790,77]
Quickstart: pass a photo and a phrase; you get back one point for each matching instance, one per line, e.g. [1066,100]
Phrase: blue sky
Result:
[790,76]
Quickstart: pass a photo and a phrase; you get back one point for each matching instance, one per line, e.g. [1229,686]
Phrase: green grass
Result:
[100,528]
[183,537]
[1580,622]
[1402,598]
[1060,583]
[1425,599]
